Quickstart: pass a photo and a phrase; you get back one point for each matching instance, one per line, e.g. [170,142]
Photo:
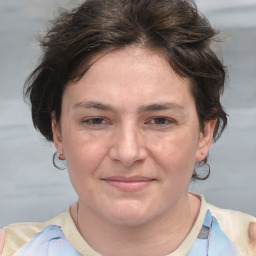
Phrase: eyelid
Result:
[86,121]
[168,119]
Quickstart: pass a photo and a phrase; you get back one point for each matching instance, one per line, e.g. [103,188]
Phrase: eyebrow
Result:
[142,109]
[93,104]
[161,106]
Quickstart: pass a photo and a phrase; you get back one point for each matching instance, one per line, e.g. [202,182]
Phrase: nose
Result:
[128,147]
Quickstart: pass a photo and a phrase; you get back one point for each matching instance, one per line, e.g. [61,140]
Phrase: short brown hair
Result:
[173,26]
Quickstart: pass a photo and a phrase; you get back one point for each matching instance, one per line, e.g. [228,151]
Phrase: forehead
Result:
[129,72]
[132,55]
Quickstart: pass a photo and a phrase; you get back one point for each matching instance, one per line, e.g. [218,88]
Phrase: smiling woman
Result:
[129,92]
[126,137]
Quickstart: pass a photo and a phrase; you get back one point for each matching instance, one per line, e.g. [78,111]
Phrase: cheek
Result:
[82,163]
[83,155]
[175,154]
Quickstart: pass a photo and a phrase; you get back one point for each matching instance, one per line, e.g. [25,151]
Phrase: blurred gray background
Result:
[31,189]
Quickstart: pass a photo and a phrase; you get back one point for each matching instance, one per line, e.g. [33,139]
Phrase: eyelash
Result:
[167,121]
[98,122]
[94,121]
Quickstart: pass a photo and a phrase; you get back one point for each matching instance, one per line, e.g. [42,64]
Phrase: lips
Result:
[129,184]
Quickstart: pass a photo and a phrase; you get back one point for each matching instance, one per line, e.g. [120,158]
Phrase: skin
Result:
[130,135]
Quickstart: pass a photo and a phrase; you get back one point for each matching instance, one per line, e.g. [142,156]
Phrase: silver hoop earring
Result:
[57,163]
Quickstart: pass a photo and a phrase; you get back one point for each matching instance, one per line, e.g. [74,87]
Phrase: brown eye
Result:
[160,121]
[94,121]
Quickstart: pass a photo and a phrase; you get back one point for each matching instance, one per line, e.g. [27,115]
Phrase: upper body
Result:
[235,226]
[129,93]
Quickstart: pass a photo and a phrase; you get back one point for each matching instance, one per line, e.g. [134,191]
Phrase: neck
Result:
[161,236]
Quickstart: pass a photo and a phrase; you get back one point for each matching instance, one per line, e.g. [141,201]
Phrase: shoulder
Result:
[16,235]
[239,227]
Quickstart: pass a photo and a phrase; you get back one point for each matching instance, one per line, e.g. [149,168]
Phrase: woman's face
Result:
[130,136]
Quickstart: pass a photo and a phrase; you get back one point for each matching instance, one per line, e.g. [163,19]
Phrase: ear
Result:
[57,139]
[205,140]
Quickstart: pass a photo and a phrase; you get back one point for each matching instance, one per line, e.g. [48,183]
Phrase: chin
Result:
[130,215]
[130,220]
